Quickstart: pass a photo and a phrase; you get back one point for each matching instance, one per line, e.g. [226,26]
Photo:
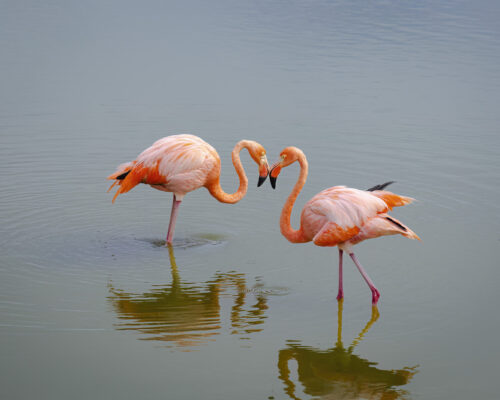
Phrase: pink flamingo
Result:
[340,216]
[183,163]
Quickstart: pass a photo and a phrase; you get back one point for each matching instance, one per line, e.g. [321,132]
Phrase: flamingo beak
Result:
[273,174]
[263,171]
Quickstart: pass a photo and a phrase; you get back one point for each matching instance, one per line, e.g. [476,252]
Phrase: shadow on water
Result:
[187,242]
[339,373]
[184,314]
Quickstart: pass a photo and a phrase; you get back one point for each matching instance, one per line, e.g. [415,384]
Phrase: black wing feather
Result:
[122,176]
[379,187]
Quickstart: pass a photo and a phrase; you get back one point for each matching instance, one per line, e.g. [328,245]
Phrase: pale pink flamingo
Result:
[340,216]
[183,163]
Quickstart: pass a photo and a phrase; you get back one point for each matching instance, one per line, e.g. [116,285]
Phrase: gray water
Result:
[92,305]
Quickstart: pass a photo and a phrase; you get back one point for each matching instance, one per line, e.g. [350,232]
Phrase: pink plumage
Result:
[346,216]
[178,164]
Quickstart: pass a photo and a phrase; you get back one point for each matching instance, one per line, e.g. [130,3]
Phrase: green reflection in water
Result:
[189,314]
[337,373]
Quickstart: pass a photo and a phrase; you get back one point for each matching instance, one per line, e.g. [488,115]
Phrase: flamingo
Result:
[340,216]
[183,163]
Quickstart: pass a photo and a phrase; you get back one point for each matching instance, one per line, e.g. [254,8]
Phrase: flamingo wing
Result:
[176,155]
[178,163]
[337,214]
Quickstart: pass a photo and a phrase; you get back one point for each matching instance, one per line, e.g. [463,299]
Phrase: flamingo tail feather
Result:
[391,199]
[401,228]
[127,176]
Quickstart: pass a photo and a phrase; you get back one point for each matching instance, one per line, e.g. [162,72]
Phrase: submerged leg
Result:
[375,292]
[340,295]
[173,217]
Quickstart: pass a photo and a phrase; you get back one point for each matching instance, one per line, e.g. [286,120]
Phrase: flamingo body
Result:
[342,216]
[177,164]
[183,163]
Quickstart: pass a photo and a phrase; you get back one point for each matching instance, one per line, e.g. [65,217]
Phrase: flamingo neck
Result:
[215,188]
[294,236]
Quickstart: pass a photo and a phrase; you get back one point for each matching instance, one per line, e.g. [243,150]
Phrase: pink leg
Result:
[173,217]
[375,292]
[341,285]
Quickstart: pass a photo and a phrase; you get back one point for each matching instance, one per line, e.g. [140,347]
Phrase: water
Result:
[93,306]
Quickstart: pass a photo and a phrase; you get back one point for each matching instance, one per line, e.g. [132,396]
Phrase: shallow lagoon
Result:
[93,306]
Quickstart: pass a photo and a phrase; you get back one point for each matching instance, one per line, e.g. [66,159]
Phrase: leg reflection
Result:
[187,314]
[339,373]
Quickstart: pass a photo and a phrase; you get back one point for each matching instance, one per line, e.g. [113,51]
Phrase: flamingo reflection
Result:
[337,373]
[188,314]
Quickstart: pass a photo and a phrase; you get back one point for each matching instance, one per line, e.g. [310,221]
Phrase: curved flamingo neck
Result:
[215,188]
[294,236]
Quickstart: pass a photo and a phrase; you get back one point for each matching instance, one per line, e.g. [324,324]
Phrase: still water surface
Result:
[93,306]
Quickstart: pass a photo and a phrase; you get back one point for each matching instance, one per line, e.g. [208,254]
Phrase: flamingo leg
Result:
[340,295]
[173,217]
[375,292]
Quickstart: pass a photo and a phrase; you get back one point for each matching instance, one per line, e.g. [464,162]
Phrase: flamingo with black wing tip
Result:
[183,163]
[340,216]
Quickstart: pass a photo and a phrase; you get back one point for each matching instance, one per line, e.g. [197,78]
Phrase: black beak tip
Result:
[262,179]
[273,182]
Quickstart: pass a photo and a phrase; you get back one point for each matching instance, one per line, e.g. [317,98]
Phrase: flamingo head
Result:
[258,154]
[287,157]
